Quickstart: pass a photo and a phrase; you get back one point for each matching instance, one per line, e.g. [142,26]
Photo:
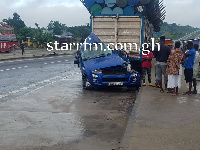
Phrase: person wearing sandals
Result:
[174,69]
[189,64]
[161,62]
[195,68]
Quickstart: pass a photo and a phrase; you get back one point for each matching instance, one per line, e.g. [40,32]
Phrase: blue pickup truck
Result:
[101,66]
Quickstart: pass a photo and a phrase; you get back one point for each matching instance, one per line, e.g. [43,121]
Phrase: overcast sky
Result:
[72,12]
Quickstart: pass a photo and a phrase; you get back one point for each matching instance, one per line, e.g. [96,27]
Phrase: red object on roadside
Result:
[168,42]
[7,42]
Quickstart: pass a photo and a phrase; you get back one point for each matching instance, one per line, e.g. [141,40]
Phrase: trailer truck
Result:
[122,26]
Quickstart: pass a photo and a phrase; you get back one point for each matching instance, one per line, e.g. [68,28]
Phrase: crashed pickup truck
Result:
[101,66]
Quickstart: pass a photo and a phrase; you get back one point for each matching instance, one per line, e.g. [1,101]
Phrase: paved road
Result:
[18,75]
[43,106]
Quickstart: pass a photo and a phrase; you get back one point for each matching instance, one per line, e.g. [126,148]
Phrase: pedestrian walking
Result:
[174,69]
[195,68]
[189,64]
[22,48]
[147,65]
[161,62]
[156,81]
[14,49]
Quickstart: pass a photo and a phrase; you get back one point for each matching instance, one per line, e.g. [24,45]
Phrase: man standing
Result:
[161,62]
[189,64]
[22,48]
[195,68]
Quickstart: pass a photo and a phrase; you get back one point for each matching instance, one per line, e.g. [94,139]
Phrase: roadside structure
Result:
[6,29]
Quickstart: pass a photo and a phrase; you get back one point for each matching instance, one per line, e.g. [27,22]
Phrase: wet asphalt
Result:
[43,106]
[18,75]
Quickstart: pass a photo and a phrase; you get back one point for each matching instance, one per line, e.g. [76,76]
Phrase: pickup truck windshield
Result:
[95,51]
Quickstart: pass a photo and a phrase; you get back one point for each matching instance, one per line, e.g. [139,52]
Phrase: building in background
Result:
[6,29]
[66,37]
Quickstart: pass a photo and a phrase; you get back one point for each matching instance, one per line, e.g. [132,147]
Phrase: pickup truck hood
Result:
[103,62]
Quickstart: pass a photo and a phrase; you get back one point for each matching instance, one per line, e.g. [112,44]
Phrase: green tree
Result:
[25,32]
[80,33]
[174,31]
[56,27]
[15,22]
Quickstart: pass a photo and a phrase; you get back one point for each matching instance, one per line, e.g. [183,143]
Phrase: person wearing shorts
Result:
[189,64]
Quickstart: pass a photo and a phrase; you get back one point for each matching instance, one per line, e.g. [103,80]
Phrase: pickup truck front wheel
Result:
[85,82]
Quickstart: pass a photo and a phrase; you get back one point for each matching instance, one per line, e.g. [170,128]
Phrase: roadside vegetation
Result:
[175,32]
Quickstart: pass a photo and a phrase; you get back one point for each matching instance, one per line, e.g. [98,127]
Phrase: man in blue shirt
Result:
[189,63]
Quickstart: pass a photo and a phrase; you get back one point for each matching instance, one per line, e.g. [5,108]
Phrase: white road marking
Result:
[14,92]
[46,81]
[2,96]
[19,67]
[52,62]
[66,60]
[19,60]
[40,58]
[30,59]
[1,70]
[32,85]
[45,63]
[25,66]
[24,88]
[7,69]
[13,68]
[59,61]
[10,61]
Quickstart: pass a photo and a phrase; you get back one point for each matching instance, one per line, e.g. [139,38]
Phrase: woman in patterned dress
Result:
[174,69]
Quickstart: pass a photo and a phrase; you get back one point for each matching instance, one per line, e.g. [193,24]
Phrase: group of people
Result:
[169,64]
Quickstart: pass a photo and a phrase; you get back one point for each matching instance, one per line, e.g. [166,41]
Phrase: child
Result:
[146,65]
